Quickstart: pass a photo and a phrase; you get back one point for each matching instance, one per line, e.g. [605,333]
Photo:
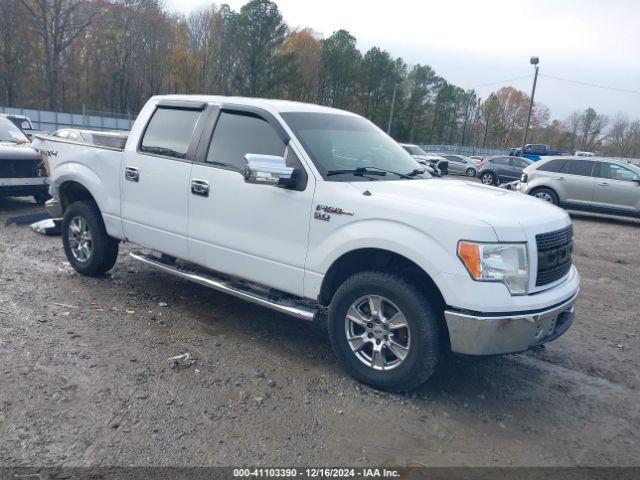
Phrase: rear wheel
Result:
[471,172]
[89,249]
[488,178]
[546,194]
[385,331]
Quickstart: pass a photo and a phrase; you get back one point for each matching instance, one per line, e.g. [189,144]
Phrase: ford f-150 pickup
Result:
[311,210]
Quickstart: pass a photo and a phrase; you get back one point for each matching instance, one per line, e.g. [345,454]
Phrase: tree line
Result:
[112,55]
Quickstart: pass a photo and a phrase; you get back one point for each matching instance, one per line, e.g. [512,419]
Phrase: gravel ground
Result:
[86,379]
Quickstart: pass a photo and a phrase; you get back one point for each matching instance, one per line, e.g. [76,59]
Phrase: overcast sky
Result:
[472,43]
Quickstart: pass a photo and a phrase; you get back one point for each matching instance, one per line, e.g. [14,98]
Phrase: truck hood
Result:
[512,215]
[12,151]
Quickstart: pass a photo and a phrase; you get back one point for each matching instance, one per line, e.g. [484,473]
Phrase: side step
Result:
[287,304]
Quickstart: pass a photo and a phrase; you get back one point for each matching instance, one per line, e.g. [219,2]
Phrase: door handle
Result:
[132,174]
[200,187]
[603,184]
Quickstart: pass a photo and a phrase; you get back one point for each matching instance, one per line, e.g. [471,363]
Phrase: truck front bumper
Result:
[487,334]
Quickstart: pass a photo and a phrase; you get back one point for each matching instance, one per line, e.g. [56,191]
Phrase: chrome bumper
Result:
[480,334]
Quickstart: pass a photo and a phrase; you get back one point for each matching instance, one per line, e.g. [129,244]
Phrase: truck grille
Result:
[554,255]
[19,168]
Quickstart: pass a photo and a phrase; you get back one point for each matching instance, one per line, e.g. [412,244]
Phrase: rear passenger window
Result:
[579,167]
[169,132]
[239,133]
[554,166]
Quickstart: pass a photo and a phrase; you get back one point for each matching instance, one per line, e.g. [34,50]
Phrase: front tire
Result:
[89,249]
[385,331]
[471,172]
[546,194]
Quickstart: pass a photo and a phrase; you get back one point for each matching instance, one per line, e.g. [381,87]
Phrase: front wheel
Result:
[385,331]
[546,194]
[488,178]
[89,249]
[471,172]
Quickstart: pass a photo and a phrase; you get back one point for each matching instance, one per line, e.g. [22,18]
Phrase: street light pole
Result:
[534,61]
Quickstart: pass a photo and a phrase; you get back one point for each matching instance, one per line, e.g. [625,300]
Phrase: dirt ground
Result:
[86,381]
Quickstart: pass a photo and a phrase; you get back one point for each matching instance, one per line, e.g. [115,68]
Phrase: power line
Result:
[594,85]
[502,81]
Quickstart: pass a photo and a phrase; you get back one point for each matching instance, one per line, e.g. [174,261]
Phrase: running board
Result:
[287,305]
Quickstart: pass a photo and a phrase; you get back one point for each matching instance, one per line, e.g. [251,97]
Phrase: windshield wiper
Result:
[369,170]
[356,171]
[416,171]
[164,151]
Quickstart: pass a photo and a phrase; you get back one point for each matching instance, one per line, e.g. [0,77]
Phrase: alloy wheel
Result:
[80,239]
[487,179]
[546,196]
[377,332]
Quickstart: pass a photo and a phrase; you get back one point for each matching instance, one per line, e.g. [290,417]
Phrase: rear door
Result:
[155,178]
[257,232]
[615,188]
[578,181]
[503,168]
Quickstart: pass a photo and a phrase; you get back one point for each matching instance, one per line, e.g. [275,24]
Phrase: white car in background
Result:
[435,161]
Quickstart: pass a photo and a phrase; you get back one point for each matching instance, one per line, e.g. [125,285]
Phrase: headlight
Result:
[497,262]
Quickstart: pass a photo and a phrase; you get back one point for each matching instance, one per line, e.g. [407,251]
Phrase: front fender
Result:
[396,237]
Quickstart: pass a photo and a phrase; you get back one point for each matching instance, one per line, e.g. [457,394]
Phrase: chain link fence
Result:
[50,121]
[464,150]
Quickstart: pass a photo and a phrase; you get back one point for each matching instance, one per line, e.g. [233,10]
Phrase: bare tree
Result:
[58,23]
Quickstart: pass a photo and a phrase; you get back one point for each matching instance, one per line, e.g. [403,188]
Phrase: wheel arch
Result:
[363,259]
[71,191]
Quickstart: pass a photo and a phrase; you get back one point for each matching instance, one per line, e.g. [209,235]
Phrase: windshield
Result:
[341,144]
[10,133]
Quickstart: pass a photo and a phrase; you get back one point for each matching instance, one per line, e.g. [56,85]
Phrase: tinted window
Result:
[518,162]
[616,172]
[579,167]
[502,161]
[169,132]
[237,134]
[553,166]
[454,158]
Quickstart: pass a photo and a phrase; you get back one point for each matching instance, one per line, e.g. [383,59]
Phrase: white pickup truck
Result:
[299,207]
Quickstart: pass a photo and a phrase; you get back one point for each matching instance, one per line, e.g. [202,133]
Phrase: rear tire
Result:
[89,249]
[376,349]
[546,194]
[488,178]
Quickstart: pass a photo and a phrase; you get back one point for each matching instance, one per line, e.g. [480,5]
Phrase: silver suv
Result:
[597,184]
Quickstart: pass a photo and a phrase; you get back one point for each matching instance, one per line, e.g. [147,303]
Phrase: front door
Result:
[257,232]
[616,189]
[155,182]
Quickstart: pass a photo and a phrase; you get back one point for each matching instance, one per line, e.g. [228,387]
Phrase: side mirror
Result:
[269,170]
[637,179]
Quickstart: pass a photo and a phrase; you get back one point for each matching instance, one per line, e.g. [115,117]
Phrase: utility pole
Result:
[534,61]
[393,104]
